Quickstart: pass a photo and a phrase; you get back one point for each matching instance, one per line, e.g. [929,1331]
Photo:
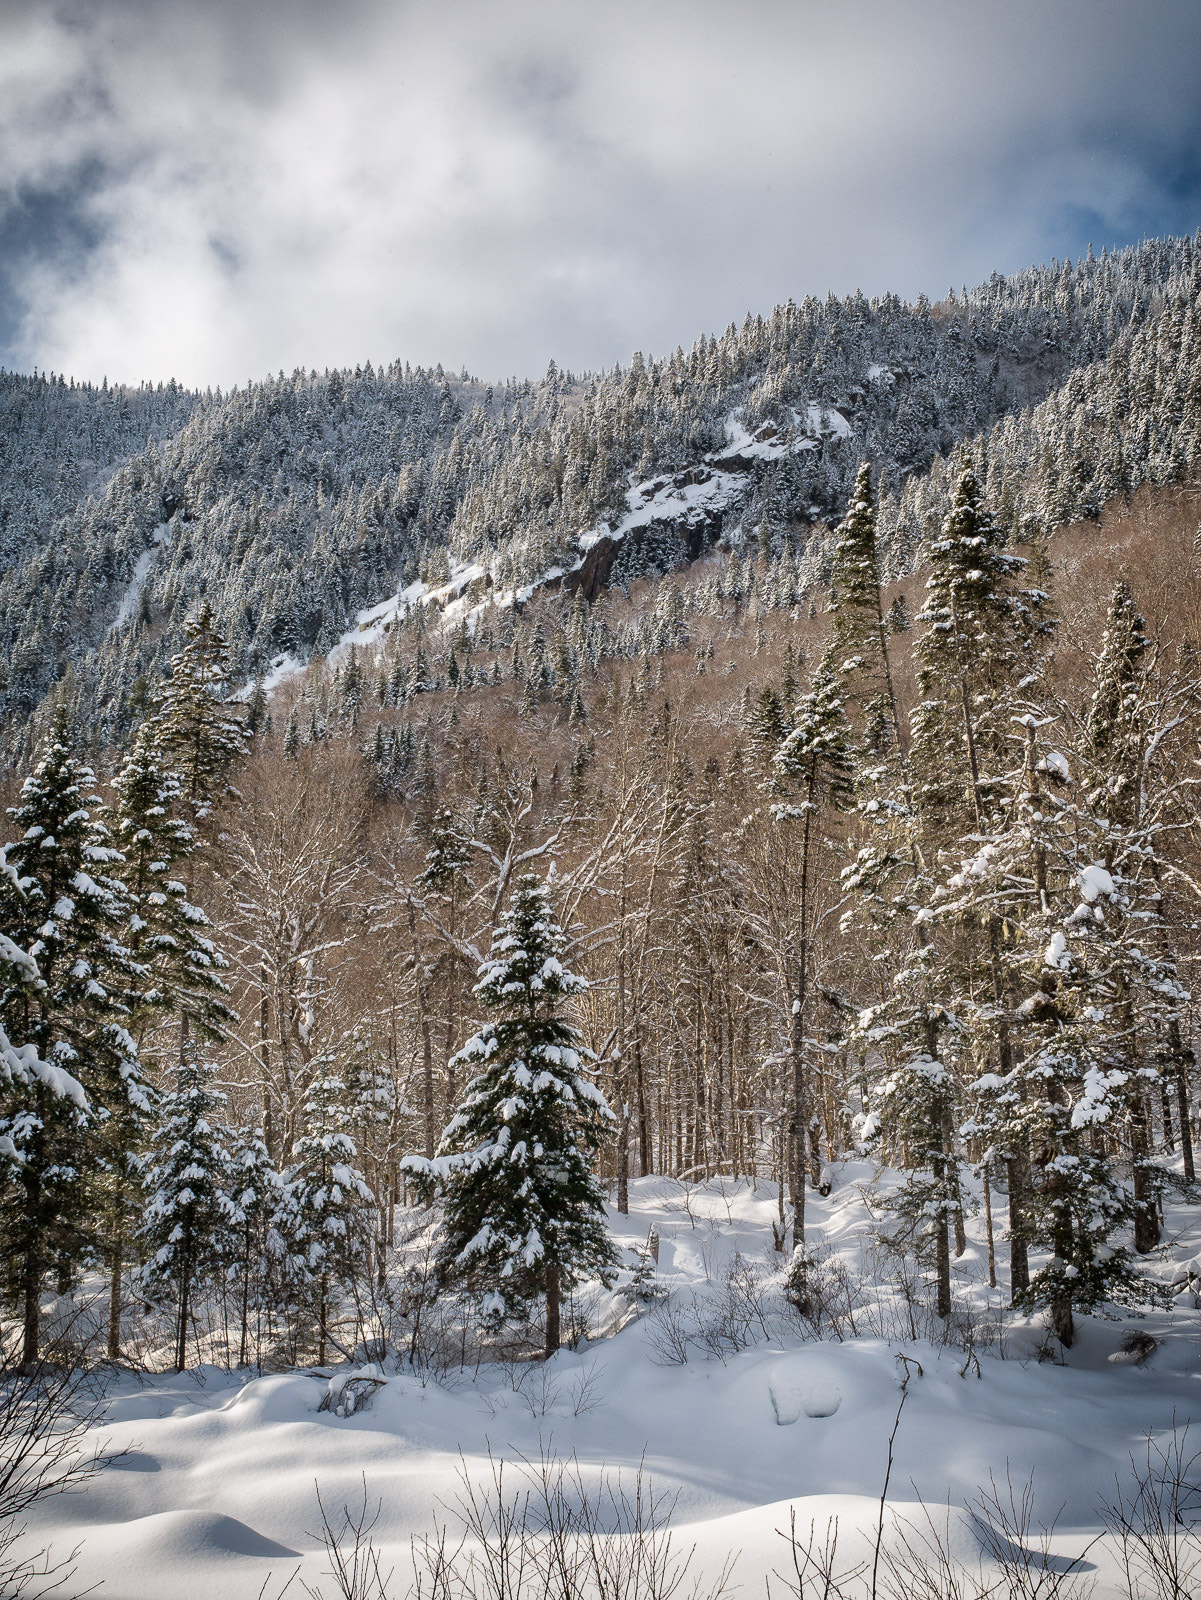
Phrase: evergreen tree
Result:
[812,776]
[328,1199]
[202,738]
[168,934]
[977,631]
[523,1214]
[860,630]
[76,1063]
[187,1209]
[254,1193]
[977,657]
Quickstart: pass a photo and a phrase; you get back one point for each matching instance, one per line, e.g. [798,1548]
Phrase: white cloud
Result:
[493,184]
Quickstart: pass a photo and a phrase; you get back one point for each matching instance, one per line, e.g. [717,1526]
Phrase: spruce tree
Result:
[522,1213]
[187,1209]
[329,1202]
[1141,995]
[977,656]
[60,904]
[860,630]
[168,933]
[812,777]
[253,1194]
[201,735]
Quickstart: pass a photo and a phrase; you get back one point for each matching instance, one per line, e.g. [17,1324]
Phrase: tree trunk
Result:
[796,1131]
[244,1332]
[32,1292]
[992,1244]
[623,1153]
[645,1158]
[31,1276]
[181,1333]
[553,1332]
[1146,1221]
[427,1049]
[1017,1169]
[1063,1324]
[1183,1118]
[942,1258]
[114,1301]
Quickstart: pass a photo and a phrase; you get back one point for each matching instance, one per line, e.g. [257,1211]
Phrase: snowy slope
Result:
[218,1493]
[683,500]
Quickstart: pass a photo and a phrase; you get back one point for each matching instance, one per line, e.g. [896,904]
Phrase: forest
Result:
[467,846]
[908,878]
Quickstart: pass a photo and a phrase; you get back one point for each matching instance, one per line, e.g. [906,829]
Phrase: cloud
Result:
[219,189]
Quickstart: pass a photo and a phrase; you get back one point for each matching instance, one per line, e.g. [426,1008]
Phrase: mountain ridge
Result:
[297,504]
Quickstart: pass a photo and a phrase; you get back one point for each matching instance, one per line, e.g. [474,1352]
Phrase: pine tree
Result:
[187,1210]
[812,776]
[328,1199]
[168,933]
[523,1214]
[253,1197]
[201,736]
[60,905]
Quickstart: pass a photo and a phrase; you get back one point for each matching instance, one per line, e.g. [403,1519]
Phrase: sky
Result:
[213,190]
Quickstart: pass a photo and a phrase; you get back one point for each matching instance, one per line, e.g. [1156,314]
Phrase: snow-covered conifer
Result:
[202,737]
[168,934]
[61,906]
[187,1209]
[523,1214]
[326,1216]
[251,1252]
[812,779]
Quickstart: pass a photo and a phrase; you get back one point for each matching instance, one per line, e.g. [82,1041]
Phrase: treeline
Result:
[917,884]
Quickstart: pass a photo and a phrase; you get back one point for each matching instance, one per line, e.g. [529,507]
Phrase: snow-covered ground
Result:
[217,1495]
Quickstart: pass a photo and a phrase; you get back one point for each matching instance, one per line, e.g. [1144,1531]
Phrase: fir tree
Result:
[860,631]
[60,905]
[201,736]
[327,1198]
[812,775]
[168,934]
[187,1210]
[523,1214]
[253,1198]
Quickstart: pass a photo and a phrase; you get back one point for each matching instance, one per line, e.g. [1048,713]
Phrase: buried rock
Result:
[813,1396]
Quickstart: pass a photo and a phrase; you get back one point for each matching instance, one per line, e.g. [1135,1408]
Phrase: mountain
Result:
[301,505]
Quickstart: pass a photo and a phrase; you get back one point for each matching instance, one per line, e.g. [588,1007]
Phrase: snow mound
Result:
[807,1397]
[171,1537]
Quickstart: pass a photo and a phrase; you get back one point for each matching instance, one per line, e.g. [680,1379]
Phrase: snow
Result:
[218,1493]
[126,606]
[1095,882]
[681,499]
[279,669]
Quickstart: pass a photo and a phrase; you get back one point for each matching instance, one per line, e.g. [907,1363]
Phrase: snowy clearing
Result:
[217,1494]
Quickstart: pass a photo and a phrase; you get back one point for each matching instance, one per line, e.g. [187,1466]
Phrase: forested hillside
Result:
[294,503]
[868,831]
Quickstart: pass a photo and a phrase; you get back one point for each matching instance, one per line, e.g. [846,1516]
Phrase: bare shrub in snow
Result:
[553,1531]
[46,1412]
[1156,1520]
